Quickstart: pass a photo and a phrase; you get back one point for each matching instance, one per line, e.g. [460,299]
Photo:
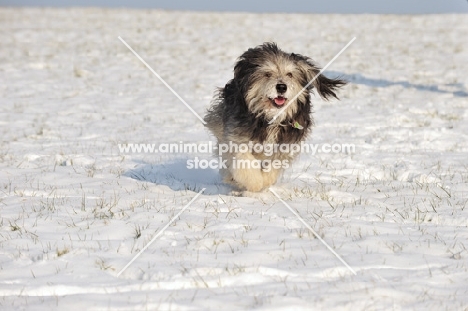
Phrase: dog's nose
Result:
[281,87]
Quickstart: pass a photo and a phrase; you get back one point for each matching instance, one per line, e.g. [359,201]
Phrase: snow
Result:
[74,210]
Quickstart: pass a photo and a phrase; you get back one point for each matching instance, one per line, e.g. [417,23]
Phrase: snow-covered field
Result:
[74,210]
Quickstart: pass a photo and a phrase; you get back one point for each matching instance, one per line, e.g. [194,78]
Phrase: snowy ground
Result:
[74,210]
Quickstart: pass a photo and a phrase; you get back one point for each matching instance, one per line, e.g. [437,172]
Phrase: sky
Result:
[263,6]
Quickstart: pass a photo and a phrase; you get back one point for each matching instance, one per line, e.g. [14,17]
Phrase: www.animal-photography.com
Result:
[208,155]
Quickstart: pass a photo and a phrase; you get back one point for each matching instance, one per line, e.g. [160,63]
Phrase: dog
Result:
[267,103]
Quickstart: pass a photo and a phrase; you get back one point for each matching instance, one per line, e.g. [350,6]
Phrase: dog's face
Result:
[275,81]
[271,79]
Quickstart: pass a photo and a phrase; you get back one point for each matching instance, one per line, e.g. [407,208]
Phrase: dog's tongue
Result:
[279,101]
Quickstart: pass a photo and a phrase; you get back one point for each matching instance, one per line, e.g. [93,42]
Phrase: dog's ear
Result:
[248,63]
[326,87]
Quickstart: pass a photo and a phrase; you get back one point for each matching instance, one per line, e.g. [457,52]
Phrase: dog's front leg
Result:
[246,171]
[270,177]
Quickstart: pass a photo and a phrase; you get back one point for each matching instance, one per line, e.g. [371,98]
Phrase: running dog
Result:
[266,103]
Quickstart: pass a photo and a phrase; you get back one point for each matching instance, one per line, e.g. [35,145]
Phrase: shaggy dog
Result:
[267,103]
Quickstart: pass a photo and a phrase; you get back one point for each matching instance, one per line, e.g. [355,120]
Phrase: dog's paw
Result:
[237,193]
[264,195]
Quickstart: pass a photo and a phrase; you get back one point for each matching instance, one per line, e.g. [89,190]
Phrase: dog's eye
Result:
[268,74]
[289,74]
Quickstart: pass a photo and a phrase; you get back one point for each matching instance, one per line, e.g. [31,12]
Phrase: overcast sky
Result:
[263,6]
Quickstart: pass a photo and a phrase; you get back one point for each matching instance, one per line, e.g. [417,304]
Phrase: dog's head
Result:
[271,79]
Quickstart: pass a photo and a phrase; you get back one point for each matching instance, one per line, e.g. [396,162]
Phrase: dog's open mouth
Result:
[278,101]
